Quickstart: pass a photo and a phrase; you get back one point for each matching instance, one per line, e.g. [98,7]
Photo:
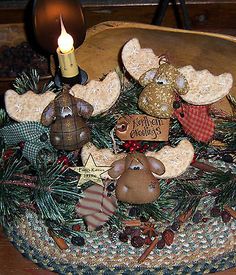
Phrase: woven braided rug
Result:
[197,249]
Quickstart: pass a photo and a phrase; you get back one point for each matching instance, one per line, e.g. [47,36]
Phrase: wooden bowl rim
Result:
[121,24]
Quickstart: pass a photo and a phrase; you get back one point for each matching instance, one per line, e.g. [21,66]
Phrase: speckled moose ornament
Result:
[66,116]
[136,183]
[160,84]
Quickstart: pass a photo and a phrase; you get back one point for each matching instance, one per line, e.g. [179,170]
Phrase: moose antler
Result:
[205,88]
[175,159]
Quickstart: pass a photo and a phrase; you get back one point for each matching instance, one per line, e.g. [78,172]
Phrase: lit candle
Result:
[66,54]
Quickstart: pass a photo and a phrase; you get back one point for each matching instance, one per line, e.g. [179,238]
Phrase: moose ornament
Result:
[66,116]
[160,85]
[136,182]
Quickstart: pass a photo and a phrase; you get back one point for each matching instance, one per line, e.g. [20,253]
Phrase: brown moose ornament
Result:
[136,182]
[66,116]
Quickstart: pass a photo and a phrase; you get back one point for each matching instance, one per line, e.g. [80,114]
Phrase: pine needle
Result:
[30,82]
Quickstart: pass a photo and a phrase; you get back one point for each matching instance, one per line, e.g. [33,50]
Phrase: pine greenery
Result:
[30,82]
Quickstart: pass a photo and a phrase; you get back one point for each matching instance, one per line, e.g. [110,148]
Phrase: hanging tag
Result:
[142,127]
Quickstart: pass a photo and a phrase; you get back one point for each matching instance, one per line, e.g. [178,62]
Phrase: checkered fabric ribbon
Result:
[96,207]
[33,134]
[196,121]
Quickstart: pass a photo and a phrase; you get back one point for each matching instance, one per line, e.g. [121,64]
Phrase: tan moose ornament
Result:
[66,114]
[160,85]
[136,182]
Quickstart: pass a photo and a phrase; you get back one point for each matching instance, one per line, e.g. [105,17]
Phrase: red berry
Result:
[175,226]
[226,217]
[22,145]
[215,211]
[135,233]
[160,244]
[137,146]
[148,240]
[204,219]
[76,227]
[126,145]
[132,149]
[137,241]
[128,230]
[123,237]
[63,159]
[194,158]
[145,146]
[7,154]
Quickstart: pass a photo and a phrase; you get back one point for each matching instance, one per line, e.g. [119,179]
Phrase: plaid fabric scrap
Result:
[96,207]
[196,121]
[30,132]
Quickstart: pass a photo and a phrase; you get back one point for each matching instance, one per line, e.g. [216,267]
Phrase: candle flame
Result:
[65,40]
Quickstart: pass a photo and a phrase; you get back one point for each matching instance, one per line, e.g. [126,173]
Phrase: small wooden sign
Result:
[142,127]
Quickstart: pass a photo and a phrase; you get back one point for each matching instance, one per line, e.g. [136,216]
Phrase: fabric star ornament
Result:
[96,206]
[196,121]
[90,172]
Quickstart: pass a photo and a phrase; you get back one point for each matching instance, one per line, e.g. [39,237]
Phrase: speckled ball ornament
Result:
[157,98]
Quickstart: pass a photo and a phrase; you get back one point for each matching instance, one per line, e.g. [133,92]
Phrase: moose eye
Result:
[162,81]
[66,111]
[136,167]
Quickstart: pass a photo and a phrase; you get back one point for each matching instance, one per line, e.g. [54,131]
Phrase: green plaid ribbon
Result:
[33,134]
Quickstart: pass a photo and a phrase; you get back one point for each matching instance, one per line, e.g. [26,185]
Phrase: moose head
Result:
[160,85]
[65,114]
[136,182]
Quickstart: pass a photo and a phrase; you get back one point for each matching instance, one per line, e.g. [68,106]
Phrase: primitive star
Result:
[90,172]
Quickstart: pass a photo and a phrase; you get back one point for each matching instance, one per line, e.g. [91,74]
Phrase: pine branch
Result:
[225,183]
[161,208]
[225,132]
[4,118]
[187,194]
[66,229]
[120,215]
[30,81]
[11,196]
[61,192]
[19,183]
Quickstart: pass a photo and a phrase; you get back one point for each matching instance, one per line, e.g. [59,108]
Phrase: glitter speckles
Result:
[157,100]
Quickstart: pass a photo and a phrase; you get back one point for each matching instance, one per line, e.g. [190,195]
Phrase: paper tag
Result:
[142,127]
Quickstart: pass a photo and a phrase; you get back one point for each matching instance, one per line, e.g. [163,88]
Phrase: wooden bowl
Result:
[100,53]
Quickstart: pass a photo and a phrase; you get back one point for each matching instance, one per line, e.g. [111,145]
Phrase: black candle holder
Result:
[80,78]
